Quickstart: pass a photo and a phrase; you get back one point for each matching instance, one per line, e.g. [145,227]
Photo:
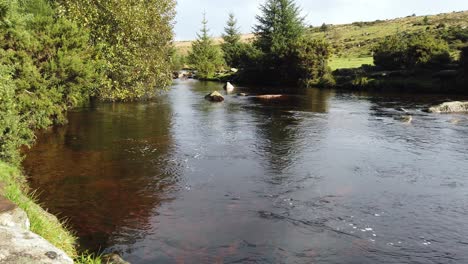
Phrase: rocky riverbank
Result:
[19,245]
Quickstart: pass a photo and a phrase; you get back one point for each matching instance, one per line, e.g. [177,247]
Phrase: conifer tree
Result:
[279,26]
[205,57]
[232,47]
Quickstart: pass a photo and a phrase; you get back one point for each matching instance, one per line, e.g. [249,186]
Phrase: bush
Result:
[426,50]
[464,59]
[390,53]
[47,67]
[311,58]
[421,50]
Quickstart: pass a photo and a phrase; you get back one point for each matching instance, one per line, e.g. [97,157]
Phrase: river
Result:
[319,177]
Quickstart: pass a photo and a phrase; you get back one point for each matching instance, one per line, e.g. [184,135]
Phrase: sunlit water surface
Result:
[319,177]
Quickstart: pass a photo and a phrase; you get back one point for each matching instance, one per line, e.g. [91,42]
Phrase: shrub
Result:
[464,59]
[424,50]
[390,53]
[311,57]
[397,52]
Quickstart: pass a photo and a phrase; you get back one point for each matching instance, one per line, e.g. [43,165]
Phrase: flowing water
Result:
[318,177]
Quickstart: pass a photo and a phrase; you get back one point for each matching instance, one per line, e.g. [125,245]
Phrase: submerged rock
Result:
[214,97]
[450,107]
[229,87]
[405,118]
[114,258]
[272,96]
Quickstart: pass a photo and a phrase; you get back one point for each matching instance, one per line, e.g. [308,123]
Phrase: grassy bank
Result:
[14,188]
[42,223]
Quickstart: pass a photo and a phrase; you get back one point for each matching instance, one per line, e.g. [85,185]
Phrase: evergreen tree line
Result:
[281,52]
[56,55]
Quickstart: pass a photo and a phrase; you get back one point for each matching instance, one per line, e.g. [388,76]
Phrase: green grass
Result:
[42,223]
[348,63]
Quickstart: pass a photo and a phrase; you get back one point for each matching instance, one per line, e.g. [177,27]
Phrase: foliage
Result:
[232,47]
[324,27]
[47,67]
[398,51]
[134,38]
[205,57]
[311,56]
[424,49]
[464,59]
[279,27]
[178,60]
[391,53]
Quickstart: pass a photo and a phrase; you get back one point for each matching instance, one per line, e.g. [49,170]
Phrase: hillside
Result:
[353,42]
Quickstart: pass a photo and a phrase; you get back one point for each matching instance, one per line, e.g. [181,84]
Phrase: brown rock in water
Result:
[271,96]
[214,97]
[113,258]
[450,107]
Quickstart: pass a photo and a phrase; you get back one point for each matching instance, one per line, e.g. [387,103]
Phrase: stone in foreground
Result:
[214,97]
[19,246]
[450,107]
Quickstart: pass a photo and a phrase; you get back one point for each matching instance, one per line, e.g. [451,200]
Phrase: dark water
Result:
[321,177]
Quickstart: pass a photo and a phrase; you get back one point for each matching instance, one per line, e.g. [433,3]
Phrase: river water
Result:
[319,177]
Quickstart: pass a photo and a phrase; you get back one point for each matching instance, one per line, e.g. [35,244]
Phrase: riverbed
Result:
[321,176]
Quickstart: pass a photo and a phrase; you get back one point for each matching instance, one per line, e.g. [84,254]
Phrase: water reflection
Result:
[107,171]
[317,177]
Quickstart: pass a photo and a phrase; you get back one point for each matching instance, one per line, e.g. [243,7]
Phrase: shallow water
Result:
[319,177]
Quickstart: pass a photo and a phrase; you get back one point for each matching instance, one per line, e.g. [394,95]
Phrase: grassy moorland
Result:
[353,43]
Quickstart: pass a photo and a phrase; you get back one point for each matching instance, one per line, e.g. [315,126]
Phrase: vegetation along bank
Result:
[56,55]
[411,54]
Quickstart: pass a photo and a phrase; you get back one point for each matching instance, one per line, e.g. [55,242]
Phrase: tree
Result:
[205,56]
[312,56]
[464,59]
[232,46]
[419,50]
[134,38]
[426,20]
[279,27]
[390,53]
[46,67]
[324,27]
[426,50]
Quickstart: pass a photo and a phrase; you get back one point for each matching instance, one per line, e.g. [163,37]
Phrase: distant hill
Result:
[353,42]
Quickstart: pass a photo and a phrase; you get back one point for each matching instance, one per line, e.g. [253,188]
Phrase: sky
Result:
[316,12]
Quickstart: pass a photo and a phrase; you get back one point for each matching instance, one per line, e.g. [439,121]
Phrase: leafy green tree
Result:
[232,46]
[205,57]
[390,53]
[47,68]
[427,50]
[312,56]
[134,38]
[279,26]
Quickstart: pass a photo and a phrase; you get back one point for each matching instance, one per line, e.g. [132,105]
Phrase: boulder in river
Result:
[450,107]
[229,87]
[272,97]
[114,258]
[214,97]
